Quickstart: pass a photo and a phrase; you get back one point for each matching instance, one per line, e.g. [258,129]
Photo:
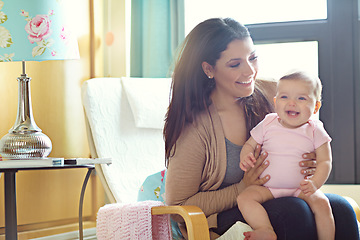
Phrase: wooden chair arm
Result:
[195,220]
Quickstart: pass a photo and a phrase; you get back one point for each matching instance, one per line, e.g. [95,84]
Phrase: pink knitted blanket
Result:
[132,221]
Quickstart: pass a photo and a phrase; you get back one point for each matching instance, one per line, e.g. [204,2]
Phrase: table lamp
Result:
[31,30]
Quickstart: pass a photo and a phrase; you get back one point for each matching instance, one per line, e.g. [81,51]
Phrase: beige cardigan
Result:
[198,168]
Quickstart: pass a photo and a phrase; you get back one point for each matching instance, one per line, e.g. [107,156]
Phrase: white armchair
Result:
[125,118]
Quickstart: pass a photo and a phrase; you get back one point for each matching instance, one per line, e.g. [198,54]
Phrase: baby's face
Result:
[294,102]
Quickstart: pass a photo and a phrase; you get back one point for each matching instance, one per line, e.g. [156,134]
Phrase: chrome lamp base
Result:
[25,145]
[25,139]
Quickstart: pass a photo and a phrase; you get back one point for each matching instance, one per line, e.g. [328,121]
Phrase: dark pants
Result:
[292,219]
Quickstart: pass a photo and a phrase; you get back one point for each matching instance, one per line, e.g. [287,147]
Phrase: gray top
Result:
[233,172]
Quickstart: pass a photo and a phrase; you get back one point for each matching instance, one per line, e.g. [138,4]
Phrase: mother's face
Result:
[235,71]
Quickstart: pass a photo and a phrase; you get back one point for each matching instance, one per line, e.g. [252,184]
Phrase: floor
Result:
[89,234]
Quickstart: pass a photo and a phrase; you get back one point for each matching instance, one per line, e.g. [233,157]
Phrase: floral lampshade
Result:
[35,30]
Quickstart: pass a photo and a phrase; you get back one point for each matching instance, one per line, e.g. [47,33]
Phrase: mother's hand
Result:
[309,163]
[252,176]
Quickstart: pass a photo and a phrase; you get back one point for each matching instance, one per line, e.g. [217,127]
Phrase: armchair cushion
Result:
[153,188]
[148,99]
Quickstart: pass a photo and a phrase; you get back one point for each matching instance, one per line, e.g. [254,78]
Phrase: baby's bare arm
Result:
[323,169]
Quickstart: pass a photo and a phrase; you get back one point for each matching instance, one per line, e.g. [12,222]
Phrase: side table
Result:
[10,193]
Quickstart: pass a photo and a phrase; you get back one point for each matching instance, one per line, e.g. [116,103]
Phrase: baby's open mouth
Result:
[292,113]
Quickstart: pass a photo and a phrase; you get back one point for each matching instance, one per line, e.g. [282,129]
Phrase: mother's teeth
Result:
[246,82]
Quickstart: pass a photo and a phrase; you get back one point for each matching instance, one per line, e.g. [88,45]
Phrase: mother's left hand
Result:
[309,163]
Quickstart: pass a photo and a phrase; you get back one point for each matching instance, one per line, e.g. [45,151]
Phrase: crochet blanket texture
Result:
[132,221]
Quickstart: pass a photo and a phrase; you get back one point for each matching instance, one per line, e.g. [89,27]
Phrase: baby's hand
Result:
[247,162]
[308,187]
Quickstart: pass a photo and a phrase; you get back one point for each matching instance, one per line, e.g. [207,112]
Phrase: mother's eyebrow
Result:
[235,59]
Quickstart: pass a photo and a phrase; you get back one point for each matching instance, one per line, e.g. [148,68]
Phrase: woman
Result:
[216,100]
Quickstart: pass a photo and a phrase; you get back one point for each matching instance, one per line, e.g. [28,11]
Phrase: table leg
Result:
[81,232]
[10,206]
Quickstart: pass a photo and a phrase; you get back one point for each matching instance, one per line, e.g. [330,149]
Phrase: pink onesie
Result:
[285,147]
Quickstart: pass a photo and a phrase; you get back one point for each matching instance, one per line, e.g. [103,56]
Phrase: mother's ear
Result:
[208,69]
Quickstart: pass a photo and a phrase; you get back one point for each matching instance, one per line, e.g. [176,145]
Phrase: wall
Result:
[115,35]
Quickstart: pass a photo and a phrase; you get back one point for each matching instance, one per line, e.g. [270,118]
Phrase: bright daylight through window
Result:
[254,11]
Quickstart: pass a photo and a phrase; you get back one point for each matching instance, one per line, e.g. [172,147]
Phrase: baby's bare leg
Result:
[324,219]
[249,203]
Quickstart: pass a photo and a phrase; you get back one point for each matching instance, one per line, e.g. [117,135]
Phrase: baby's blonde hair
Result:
[304,76]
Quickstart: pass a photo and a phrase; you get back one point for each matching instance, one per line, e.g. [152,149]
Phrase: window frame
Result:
[339,51]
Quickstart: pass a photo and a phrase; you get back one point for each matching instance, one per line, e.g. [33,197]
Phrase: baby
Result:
[285,136]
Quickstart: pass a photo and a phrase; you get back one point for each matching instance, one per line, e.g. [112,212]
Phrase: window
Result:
[254,11]
[285,57]
[327,31]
